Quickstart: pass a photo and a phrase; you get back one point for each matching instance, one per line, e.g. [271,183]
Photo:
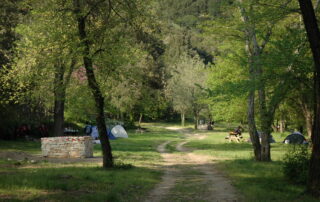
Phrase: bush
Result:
[296,164]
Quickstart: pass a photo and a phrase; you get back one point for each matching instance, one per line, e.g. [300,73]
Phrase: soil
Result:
[191,177]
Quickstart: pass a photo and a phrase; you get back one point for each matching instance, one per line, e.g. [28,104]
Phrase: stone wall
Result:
[67,147]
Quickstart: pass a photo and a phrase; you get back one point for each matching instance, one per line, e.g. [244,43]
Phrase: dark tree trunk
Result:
[313,33]
[93,85]
[252,127]
[60,85]
[58,125]
[196,120]
[265,125]
[59,100]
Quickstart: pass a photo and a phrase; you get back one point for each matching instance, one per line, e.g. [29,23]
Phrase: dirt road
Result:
[190,177]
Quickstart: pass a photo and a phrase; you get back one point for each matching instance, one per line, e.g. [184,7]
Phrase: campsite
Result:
[140,167]
[159,100]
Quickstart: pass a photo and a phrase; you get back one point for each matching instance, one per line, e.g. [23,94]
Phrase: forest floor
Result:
[190,177]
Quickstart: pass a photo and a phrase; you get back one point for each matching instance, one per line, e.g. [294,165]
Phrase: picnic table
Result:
[234,136]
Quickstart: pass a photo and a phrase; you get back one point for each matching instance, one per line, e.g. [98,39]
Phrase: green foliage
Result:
[296,164]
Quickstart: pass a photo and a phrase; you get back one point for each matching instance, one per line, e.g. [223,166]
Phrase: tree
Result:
[10,16]
[47,39]
[313,34]
[185,87]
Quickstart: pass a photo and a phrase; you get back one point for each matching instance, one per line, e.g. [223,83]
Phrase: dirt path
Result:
[190,177]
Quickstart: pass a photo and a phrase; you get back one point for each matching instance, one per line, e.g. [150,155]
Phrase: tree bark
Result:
[140,119]
[182,119]
[252,127]
[60,85]
[196,120]
[313,33]
[93,85]
[308,117]
[265,123]
[59,100]
[250,46]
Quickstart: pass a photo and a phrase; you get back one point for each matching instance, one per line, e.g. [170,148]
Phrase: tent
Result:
[95,133]
[295,138]
[119,131]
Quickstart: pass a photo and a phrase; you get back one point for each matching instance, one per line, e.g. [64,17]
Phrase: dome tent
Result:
[295,138]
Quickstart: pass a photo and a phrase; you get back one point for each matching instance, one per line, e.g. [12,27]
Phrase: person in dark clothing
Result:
[238,131]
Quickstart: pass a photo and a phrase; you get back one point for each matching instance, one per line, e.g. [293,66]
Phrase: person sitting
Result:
[237,132]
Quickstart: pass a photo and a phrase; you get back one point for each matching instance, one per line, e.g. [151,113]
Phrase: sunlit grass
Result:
[135,173]
[131,179]
[257,181]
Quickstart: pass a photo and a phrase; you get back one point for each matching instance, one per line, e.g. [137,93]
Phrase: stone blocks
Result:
[67,147]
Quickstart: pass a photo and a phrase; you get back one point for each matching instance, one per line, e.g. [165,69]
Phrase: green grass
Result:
[136,174]
[257,181]
[131,179]
[26,146]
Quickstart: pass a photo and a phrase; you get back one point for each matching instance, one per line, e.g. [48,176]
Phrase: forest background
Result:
[240,61]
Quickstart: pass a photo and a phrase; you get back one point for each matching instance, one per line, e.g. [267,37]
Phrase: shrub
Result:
[296,164]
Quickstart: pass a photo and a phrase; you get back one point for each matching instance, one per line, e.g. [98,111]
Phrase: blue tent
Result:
[110,135]
[95,134]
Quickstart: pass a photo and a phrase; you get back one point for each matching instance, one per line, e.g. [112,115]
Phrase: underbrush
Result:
[296,164]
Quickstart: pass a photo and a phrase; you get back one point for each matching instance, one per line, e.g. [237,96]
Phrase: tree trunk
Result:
[265,123]
[196,120]
[140,119]
[59,100]
[182,119]
[308,116]
[252,127]
[282,125]
[251,45]
[313,33]
[58,125]
[93,85]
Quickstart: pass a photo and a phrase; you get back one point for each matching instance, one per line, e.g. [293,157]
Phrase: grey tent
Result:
[295,138]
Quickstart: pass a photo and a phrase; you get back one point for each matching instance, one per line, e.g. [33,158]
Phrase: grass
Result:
[135,173]
[131,179]
[257,181]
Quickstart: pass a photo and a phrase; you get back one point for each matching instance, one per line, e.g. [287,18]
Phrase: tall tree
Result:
[313,34]
[82,18]
[47,39]
[186,95]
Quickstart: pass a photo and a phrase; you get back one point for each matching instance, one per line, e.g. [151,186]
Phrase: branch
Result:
[92,8]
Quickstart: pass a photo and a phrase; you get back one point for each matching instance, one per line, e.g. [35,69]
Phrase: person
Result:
[88,129]
[237,132]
